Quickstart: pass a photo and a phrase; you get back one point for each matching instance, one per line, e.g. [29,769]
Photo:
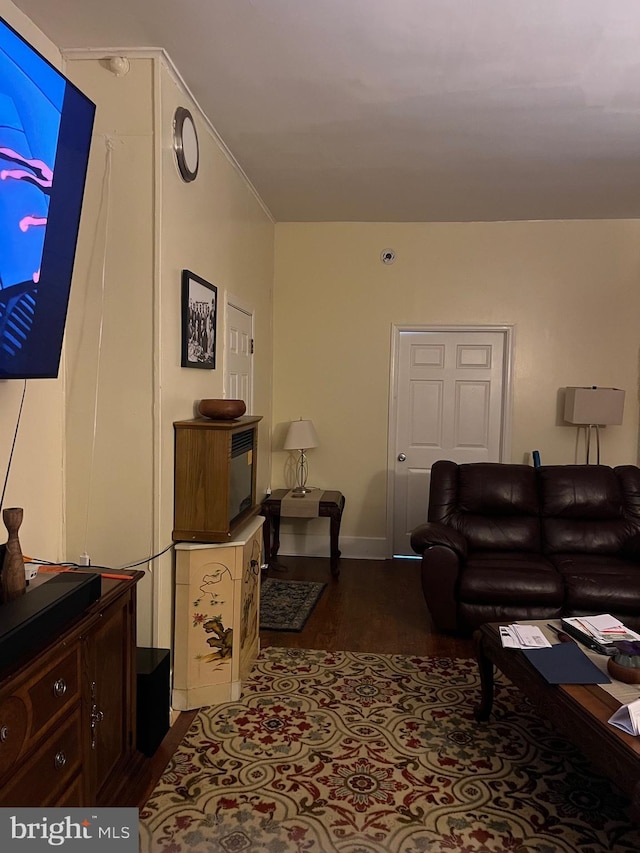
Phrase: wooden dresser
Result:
[68,712]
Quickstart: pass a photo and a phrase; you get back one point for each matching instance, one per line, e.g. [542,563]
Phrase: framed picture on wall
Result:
[199,311]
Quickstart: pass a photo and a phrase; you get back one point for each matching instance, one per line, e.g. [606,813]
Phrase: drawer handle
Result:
[60,760]
[4,734]
[60,687]
[97,716]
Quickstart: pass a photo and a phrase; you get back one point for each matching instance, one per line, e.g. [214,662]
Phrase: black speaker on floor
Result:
[154,698]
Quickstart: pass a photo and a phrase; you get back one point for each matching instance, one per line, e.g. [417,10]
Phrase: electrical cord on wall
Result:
[105,214]
[67,564]
[13,445]
[106,183]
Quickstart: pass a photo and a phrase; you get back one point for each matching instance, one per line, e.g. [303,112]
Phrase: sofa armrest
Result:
[433,533]
[439,574]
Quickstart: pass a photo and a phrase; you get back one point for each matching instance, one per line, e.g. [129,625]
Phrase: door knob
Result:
[402,457]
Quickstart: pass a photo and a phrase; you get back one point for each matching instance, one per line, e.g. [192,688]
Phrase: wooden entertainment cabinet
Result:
[68,712]
[215,466]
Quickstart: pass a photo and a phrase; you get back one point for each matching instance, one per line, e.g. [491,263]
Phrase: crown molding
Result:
[160,54]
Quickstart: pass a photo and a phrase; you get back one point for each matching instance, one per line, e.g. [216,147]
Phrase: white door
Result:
[238,355]
[449,401]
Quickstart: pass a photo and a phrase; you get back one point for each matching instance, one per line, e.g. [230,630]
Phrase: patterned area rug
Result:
[365,753]
[286,605]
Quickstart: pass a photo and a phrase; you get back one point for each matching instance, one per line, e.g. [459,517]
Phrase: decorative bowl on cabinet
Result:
[222,410]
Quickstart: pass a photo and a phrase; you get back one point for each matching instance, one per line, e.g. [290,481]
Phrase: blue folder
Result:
[565,663]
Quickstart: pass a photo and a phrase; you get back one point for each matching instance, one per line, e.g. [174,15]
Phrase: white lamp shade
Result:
[301,436]
[602,406]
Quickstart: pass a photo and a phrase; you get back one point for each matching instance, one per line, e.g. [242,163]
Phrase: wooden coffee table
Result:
[579,712]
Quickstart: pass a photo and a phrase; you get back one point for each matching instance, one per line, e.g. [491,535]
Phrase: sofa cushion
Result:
[600,584]
[587,537]
[580,491]
[503,577]
[582,509]
[472,616]
[496,533]
[629,477]
[631,548]
[494,506]
[491,488]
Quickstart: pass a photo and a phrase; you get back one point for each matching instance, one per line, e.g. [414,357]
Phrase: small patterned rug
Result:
[366,753]
[286,605]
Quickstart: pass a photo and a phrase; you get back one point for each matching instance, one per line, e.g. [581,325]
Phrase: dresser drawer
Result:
[37,703]
[73,795]
[44,777]
[49,753]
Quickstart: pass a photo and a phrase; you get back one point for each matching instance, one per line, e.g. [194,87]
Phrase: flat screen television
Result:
[45,137]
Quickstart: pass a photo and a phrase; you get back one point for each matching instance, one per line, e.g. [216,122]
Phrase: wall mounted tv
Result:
[45,136]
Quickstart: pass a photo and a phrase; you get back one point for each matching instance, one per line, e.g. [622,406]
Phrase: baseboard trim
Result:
[313,545]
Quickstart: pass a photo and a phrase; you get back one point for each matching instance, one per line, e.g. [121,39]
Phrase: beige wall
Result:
[570,289]
[36,479]
[124,334]
[216,228]
[109,338]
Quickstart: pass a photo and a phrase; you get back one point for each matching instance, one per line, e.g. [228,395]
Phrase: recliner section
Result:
[505,542]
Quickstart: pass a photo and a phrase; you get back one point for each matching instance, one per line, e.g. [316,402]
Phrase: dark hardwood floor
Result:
[374,606]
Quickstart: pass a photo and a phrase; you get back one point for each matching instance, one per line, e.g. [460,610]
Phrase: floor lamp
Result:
[593,407]
[301,436]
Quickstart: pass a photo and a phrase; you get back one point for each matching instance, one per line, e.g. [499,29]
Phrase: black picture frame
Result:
[199,321]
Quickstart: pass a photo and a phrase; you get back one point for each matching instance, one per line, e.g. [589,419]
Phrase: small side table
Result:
[331,506]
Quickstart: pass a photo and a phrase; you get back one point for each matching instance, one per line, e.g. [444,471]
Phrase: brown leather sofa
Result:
[507,542]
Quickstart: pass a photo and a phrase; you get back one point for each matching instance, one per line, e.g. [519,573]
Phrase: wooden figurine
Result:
[12,579]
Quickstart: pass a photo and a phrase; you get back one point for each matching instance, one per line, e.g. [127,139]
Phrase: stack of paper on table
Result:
[523,637]
[606,628]
[598,633]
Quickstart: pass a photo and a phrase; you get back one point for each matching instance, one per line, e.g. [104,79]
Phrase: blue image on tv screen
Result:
[45,137]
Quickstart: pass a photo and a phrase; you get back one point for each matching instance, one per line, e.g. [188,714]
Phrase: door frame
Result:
[508,333]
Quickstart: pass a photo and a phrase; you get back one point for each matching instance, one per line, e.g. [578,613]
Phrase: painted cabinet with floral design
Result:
[217,615]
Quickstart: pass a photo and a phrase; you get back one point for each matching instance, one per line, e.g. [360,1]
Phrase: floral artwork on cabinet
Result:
[249,622]
[213,589]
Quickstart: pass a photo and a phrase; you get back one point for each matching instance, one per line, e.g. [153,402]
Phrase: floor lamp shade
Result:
[602,406]
[301,436]
[592,408]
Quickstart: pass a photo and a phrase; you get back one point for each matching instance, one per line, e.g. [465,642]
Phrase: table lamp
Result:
[301,436]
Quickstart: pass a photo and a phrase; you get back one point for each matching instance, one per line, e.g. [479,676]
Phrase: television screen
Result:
[45,136]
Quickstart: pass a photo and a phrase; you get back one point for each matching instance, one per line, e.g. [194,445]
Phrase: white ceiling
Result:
[402,110]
